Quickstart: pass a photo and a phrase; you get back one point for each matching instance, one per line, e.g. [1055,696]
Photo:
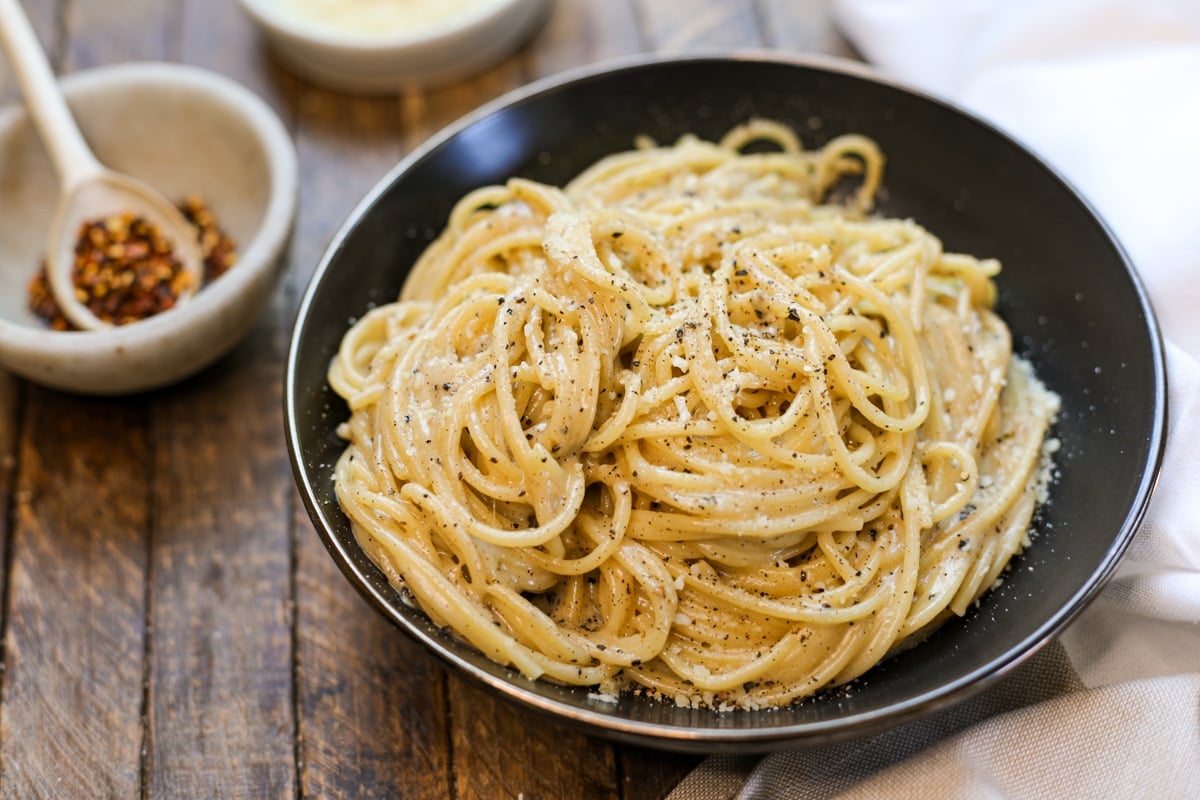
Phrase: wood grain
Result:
[221,711]
[133,30]
[217,35]
[502,751]
[345,145]
[677,25]
[70,719]
[11,391]
[584,32]
[221,716]
[436,108]
[803,26]
[371,703]
[43,17]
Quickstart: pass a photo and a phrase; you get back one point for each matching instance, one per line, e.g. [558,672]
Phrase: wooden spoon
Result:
[88,189]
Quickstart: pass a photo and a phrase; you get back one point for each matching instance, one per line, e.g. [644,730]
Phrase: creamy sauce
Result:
[377,17]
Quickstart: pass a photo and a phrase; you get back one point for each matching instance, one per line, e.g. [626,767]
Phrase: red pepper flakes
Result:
[43,304]
[125,270]
[218,249]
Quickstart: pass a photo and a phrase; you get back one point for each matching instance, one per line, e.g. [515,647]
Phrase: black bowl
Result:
[1076,308]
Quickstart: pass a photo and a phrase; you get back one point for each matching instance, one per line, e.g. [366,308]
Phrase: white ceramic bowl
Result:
[184,131]
[429,54]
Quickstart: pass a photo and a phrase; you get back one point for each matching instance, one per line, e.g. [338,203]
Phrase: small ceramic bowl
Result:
[185,131]
[432,53]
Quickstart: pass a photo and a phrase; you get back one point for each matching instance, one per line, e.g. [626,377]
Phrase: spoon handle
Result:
[72,157]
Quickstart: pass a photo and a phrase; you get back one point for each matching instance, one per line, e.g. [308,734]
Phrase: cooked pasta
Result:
[690,427]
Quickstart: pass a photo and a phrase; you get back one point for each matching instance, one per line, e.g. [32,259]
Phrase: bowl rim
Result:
[477,17]
[256,256]
[740,739]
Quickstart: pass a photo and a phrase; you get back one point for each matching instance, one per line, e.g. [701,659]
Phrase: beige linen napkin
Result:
[1108,91]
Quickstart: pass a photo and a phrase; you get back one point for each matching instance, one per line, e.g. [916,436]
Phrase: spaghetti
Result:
[690,427]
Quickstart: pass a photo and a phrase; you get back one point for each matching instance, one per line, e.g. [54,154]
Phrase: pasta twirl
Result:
[687,426]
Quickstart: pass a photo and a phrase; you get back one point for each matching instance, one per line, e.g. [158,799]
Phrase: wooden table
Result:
[172,625]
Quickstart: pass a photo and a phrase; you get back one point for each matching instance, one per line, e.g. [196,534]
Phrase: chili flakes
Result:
[125,270]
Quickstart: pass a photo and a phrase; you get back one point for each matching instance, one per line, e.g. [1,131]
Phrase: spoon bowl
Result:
[102,195]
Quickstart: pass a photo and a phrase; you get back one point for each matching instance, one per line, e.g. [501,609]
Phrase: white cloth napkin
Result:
[1109,92]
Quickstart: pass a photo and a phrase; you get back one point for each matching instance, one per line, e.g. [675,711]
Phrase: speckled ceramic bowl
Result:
[1073,301]
[184,131]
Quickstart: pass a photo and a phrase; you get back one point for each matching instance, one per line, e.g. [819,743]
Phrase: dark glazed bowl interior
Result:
[1067,291]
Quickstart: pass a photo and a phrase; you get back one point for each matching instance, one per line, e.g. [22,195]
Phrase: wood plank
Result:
[371,705]
[501,751]
[217,35]
[220,712]
[804,26]
[676,25]
[70,722]
[43,17]
[11,390]
[345,145]
[584,32]
[221,717]
[651,774]
[430,111]
[132,30]
[372,702]
[11,395]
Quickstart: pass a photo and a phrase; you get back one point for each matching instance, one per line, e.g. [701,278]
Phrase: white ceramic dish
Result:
[184,131]
[431,54]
